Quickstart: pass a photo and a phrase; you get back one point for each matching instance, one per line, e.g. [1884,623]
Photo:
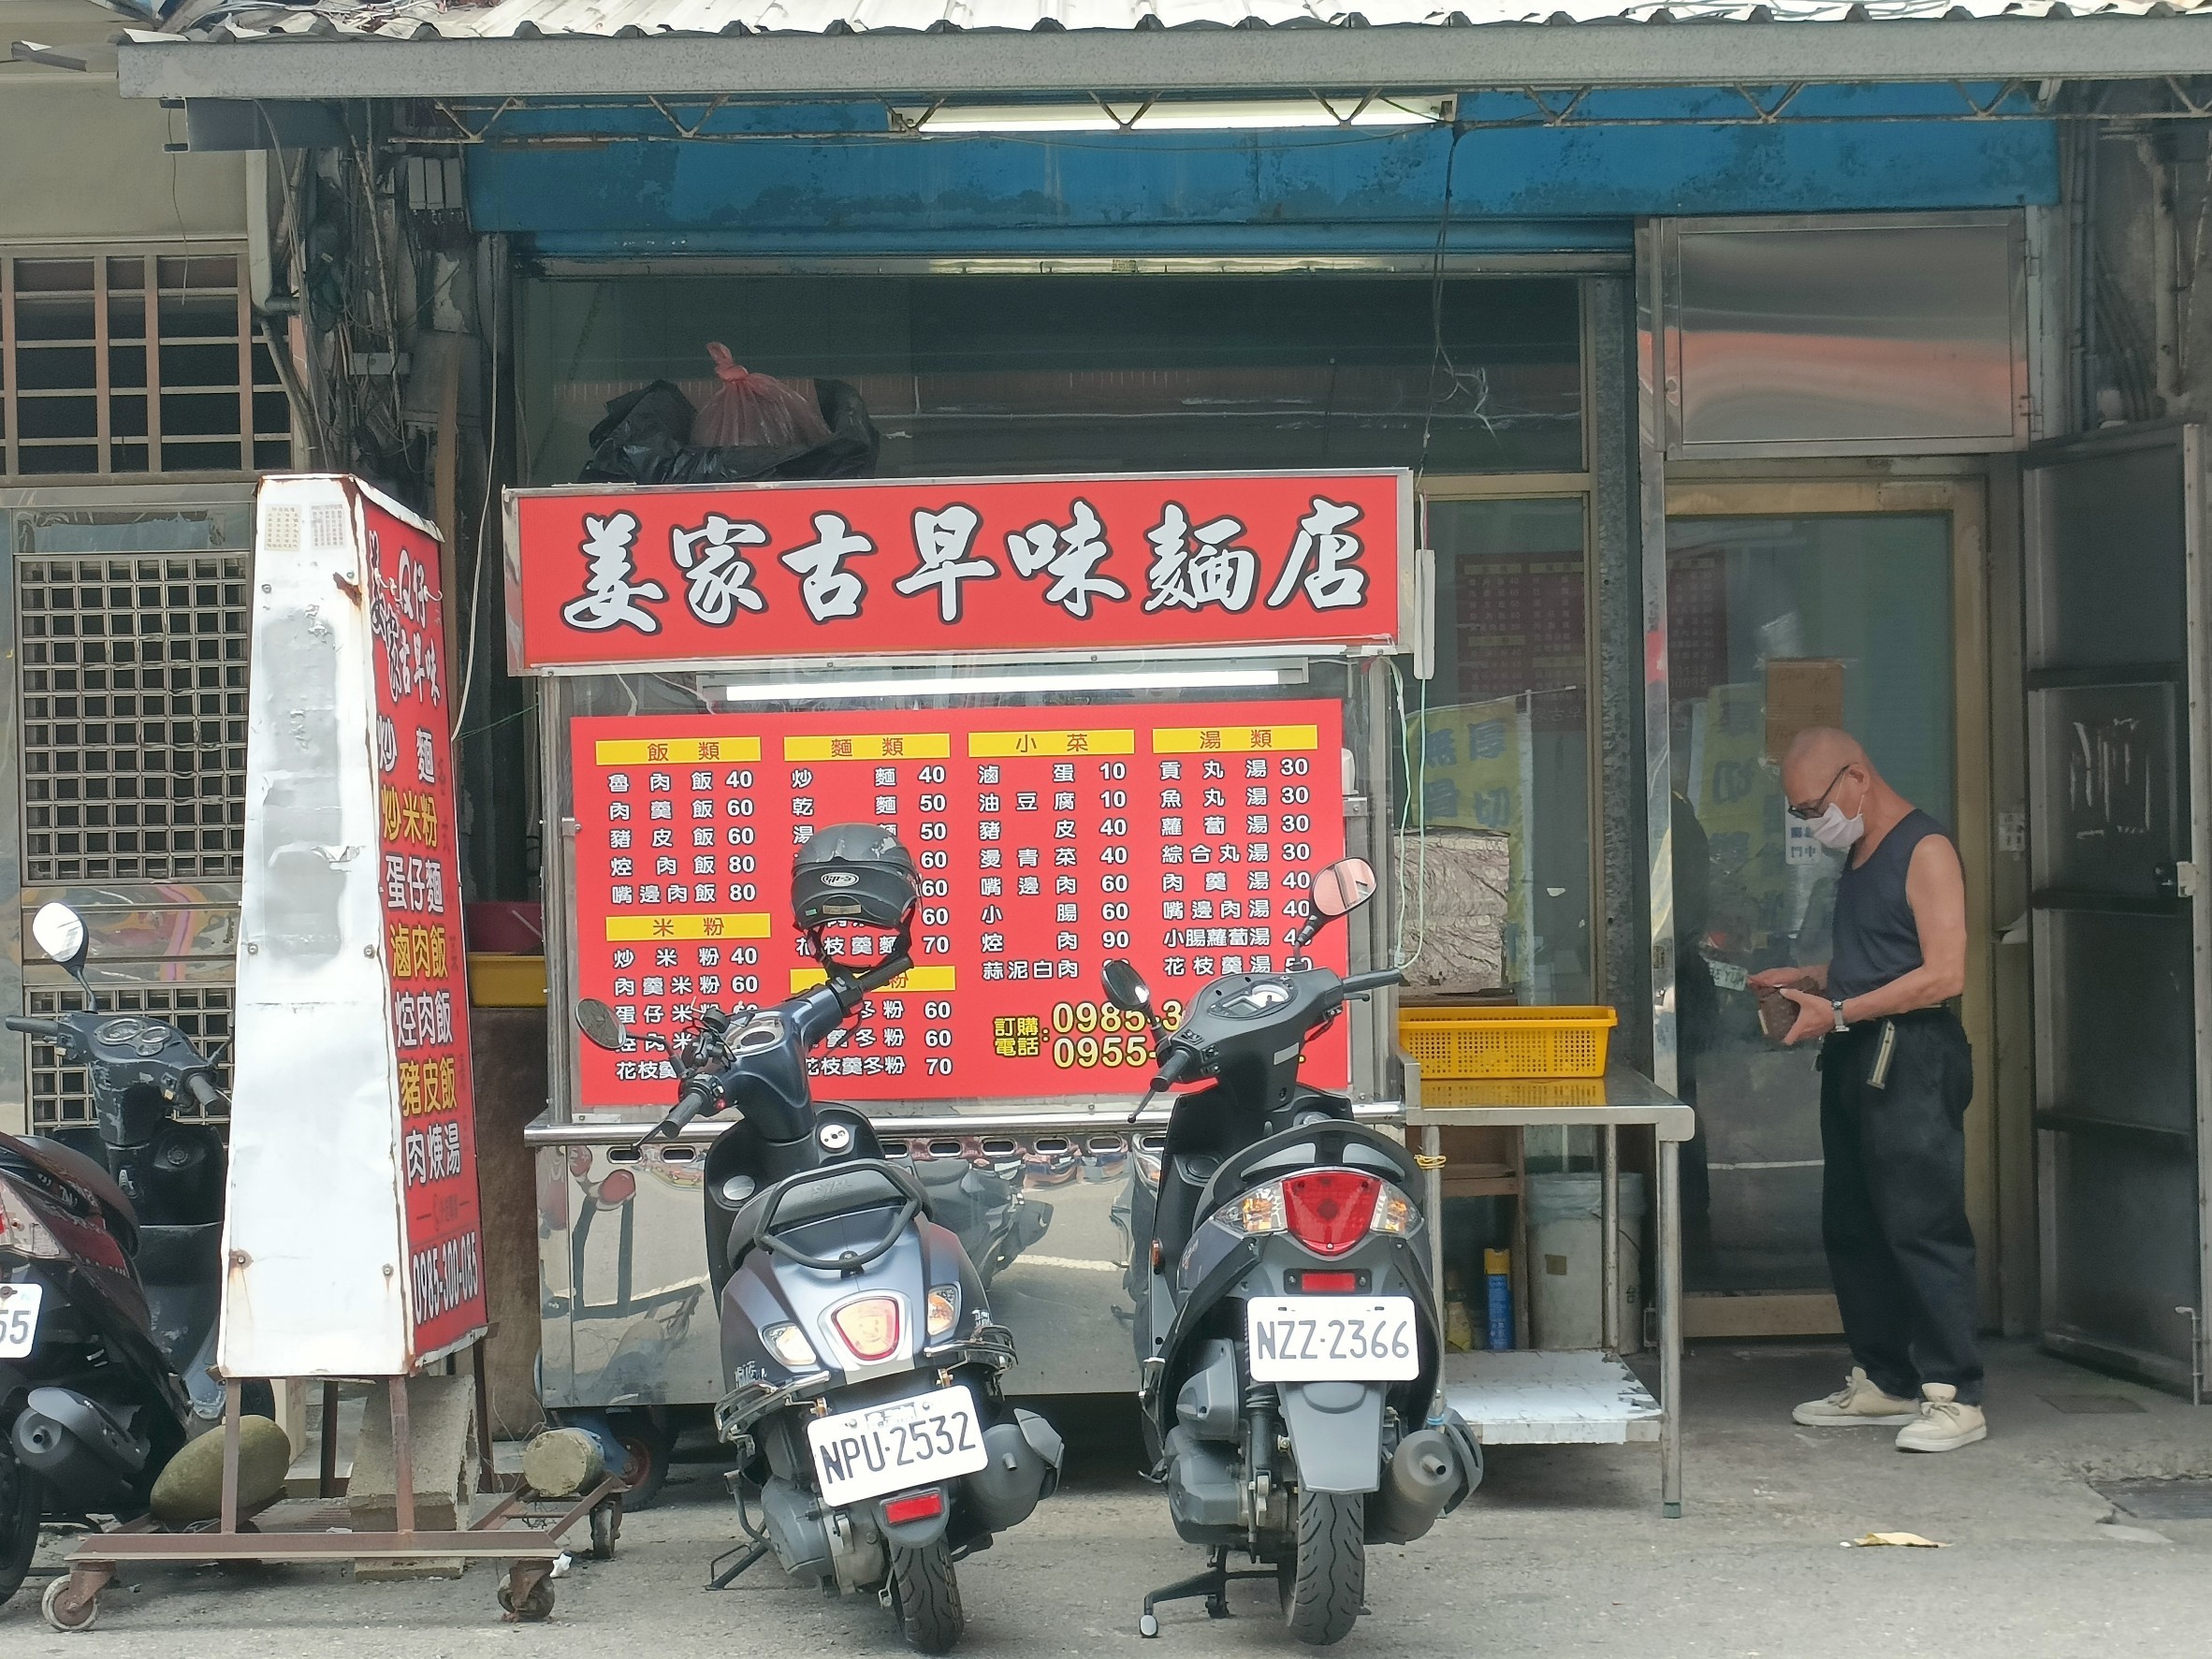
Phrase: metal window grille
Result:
[135,362]
[132,686]
[60,1096]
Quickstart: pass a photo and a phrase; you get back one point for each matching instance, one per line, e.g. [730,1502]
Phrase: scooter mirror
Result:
[1126,987]
[598,1023]
[60,933]
[1343,887]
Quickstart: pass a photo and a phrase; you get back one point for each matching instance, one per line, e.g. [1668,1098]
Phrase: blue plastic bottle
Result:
[1497,1265]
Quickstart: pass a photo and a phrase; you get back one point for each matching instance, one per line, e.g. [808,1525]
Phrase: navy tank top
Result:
[1876,939]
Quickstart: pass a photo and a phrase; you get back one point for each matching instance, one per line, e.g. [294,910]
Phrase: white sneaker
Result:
[1946,1422]
[1857,1404]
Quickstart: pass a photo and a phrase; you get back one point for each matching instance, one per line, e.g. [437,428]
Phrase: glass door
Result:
[1788,609]
[1500,757]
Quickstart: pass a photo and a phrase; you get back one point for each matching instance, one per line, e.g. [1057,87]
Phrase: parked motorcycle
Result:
[1286,1328]
[862,1362]
[993,1219]
[109,1281]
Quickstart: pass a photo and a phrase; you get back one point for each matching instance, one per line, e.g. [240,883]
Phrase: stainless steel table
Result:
[1570,1398]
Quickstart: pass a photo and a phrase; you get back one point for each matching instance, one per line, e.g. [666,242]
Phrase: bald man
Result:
[1896,1074]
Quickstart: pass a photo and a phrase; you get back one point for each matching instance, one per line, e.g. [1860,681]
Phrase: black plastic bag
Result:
[646,439]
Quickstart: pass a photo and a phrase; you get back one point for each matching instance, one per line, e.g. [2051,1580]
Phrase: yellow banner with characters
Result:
[1476,766]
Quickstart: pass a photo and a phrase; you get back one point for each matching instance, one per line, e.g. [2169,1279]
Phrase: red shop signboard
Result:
[1058,566]
[1182,836]
[420,887]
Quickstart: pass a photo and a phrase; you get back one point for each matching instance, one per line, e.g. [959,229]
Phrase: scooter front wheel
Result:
[1324,1580]
[926,1596]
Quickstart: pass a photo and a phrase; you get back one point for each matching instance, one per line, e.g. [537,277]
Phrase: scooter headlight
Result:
[789,1343]
[944,1309]
[1260,1210]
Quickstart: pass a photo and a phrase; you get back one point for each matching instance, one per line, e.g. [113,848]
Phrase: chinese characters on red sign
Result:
[1044,565]
[420,886]
[1181,835]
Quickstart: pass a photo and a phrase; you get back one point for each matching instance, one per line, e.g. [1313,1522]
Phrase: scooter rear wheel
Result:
[22,1495]
[1324,1580]
[926,1596]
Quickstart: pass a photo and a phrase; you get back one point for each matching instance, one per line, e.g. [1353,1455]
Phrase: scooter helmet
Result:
[853,872]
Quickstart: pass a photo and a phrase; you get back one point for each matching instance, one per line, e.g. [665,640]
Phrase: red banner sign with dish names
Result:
[1182,836]
[1055,566]
[419,883]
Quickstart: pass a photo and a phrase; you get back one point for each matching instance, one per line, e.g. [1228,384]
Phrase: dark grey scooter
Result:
[1286,1329]
[859,1353]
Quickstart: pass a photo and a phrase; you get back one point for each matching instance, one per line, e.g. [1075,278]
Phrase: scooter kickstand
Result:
[1213,1584]
[724,1577]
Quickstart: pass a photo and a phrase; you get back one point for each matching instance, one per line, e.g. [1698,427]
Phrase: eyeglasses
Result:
[1816,809]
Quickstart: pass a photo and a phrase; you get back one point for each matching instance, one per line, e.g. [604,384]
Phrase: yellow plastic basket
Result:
[1470,1042]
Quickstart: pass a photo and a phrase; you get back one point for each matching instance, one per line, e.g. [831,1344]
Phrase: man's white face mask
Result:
[1833,830]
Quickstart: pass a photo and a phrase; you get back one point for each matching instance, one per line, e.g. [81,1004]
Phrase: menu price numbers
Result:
[1082,1035]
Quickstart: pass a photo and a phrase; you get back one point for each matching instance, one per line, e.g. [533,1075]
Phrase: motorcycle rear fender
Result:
[1335,1432]
[914,1534]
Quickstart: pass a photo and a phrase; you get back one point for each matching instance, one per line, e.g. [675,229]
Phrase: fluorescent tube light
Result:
[1155,115]
[1136,679]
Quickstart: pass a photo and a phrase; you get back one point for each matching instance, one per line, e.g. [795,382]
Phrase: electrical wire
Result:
[1437,348]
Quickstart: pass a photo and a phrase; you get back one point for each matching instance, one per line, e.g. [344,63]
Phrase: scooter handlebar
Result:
[696,1097]
[45,1030]
[197,1085]
[1374,982]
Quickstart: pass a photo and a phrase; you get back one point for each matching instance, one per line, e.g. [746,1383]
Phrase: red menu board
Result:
[420,868]
[1182,836]
[1138,562]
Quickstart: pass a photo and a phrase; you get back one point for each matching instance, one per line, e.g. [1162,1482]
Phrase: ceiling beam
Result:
[1188,60]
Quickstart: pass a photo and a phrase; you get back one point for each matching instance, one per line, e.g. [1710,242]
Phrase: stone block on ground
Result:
[441,1422]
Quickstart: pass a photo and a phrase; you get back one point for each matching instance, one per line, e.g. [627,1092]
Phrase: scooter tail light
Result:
[1394,1211]
[921,1505]
[870,1325]
[22,1232]
[1260,1210]
[1329,1211]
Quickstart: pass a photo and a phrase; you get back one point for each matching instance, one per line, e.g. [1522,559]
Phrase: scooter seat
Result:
[835,1189]
[65,1164]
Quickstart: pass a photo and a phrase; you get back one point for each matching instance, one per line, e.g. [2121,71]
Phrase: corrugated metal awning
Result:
[799,48]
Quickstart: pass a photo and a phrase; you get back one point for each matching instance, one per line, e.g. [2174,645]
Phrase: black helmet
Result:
[852,872]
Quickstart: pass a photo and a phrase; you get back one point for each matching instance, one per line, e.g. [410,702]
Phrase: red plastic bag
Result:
[755,411]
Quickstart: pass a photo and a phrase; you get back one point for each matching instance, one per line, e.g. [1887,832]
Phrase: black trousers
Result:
[1893,1202]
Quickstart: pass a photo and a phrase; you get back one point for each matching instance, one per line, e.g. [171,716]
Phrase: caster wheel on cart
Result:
[607,1527]
[68,1616]
[1148,1625]
[534,1607]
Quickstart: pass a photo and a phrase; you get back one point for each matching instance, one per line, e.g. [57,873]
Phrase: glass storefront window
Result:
[1502,747]
[1774,624]
[970,375]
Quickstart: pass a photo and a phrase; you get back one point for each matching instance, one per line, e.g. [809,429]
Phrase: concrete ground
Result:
[1564,1552]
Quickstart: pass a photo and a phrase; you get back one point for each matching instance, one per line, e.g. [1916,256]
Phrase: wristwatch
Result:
[1837,1003]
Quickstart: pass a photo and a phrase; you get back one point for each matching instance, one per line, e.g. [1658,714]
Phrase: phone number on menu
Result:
[1082,1035]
